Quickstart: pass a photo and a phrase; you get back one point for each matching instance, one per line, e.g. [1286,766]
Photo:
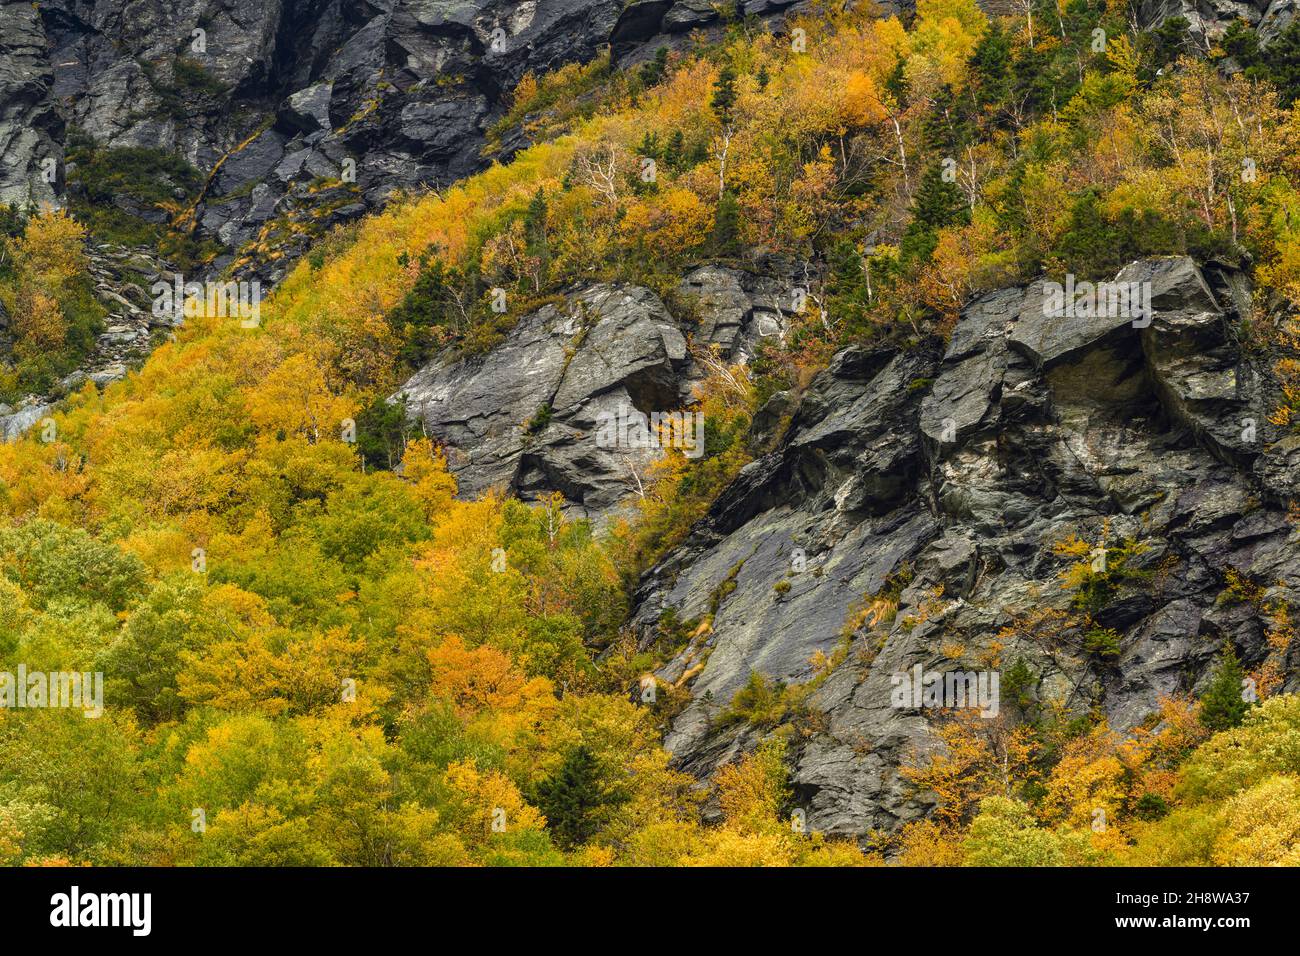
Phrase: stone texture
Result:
[608,347]
[277,96]
[1101,428]
[30,128]
[1210,18]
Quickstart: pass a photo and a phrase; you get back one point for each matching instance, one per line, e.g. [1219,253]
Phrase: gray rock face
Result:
[739,309]
[29,125]
[1210,18]
[277,97]
[941,481]
[527,417]
[13,424]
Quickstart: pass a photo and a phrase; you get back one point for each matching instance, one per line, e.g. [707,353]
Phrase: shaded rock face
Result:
[303,113]
[527,417]
[644,26]
[1211,18]
[309,113]
[30,128]
[942,477]
[273,96]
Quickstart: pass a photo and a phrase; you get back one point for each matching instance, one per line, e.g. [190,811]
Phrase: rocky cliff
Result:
[914,510]
[288,118]
[297,114]
[526,417]
[1207,19]
[301,114]
[942,479]
[921,506]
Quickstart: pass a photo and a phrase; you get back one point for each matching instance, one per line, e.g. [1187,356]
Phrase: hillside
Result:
[369,582]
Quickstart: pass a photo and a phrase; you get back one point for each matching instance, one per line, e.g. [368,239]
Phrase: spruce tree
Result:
[1242,44]
[937,203]
[1222,705]
[726,226]
[848,289]
[1282,59]
[724,95]
[938,130]
[1031,80]
[535,233]
[675,151]
[535,219]
[990,67]
[1163,46]
[896,84]
[655,70]
[649,145]
[575,799]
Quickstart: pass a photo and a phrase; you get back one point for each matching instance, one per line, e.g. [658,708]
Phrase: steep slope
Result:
[943,481]
[320,624]
[605,354]
[268,100]
[30,128]
[1210,20]
[299,115]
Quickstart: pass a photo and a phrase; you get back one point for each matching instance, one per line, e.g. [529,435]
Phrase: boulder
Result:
[527,416]
[15,424]
[307,111]
[1049,338]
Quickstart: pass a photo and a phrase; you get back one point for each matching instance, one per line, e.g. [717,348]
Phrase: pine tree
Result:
[1222,705]
[655,70]
[896,84]
[726,226]
[535,220]
[938,130]
[848,287]
[649,145]
[535,234]
[724,95]
[424,310]
[675,151]
[990,67]
[1031,80]
[1282,62]
[382,430]
[1242,44]
[1163,46]
[937,204]
[575,800]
